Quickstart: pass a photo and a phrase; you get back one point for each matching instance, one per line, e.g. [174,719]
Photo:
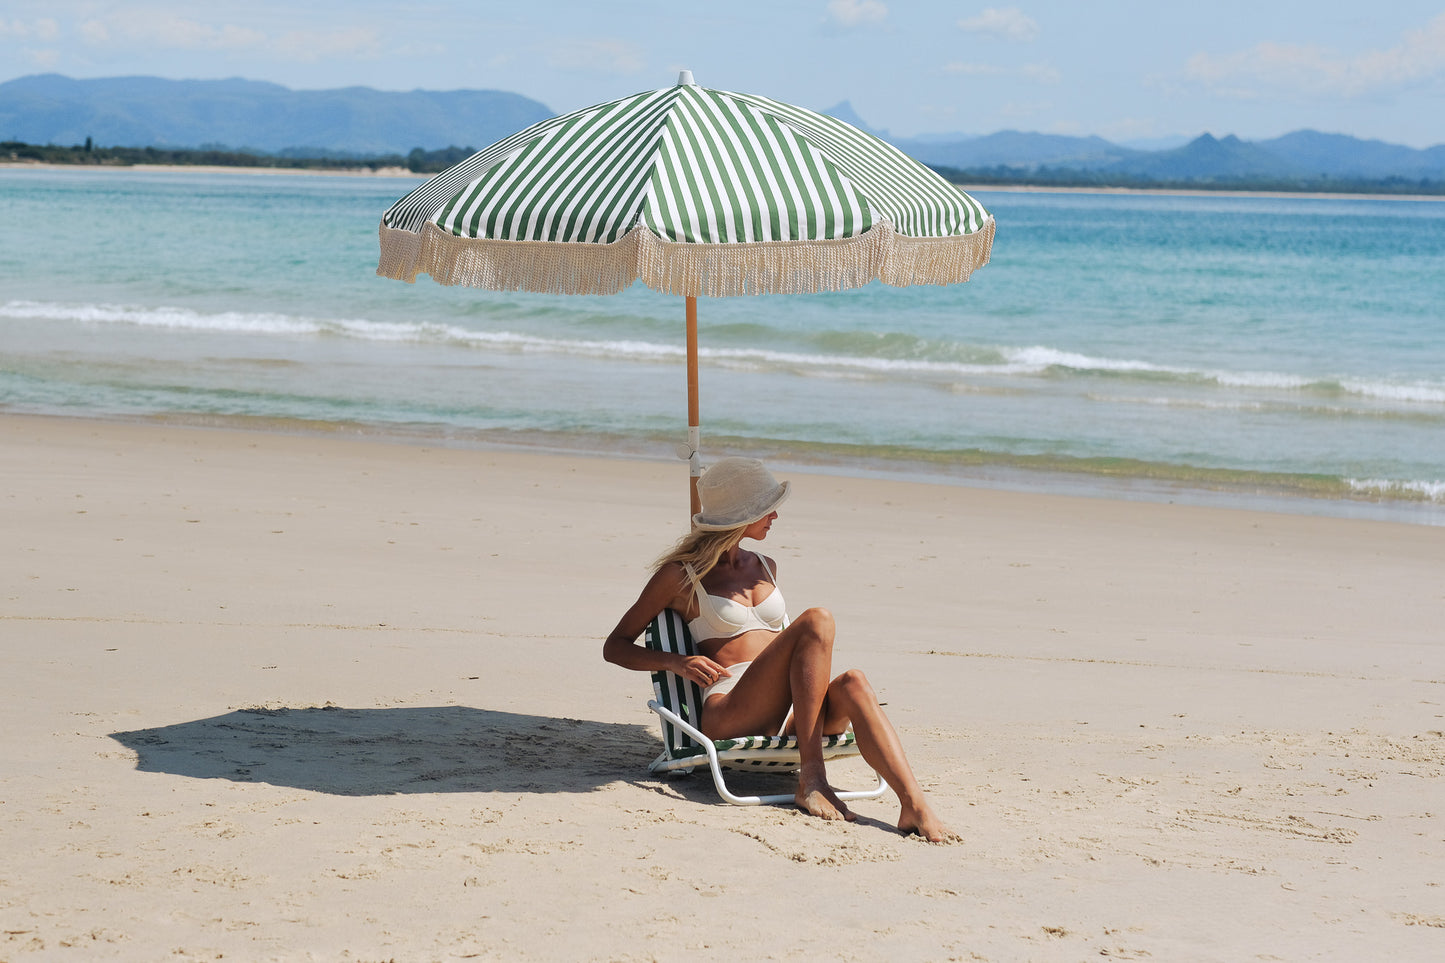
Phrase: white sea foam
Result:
[1016,361]
[1260,379]
[1029,361]
[1410,392]
[266,324]
[832,363]
[1039,358]
[1414,391]
[1166,401]
[162,317]
[1433,491]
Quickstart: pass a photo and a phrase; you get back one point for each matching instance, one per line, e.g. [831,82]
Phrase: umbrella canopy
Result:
[694,192]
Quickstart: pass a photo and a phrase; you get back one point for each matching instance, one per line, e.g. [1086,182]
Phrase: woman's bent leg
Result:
[851,699]
[810,677]
[795,669]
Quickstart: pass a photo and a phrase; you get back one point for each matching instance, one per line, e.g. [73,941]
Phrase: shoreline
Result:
[391,172]
[401,173]
[982,474]
[1190,192]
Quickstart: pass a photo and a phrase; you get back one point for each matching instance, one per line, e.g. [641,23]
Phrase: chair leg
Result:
[734,798]
[777,798]
[715,766]
[873,793]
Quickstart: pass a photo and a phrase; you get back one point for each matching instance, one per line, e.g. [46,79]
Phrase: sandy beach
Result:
[281,697]
[400,172]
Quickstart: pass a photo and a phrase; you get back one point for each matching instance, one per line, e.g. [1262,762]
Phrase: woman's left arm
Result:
[664,590]
[621,647]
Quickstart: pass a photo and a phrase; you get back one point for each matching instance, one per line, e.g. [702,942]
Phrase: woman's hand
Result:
[702,670]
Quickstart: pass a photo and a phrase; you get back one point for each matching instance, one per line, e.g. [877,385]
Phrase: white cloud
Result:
[180,33]
[851,13]
[1128,128]
[1043,73]
[1039,73]
[595,56]
[1005,23]
[310,46]
[1420,55]
[160,31]
[41,29]
[973,70]
[153,30]
[1022,109]
[95,33]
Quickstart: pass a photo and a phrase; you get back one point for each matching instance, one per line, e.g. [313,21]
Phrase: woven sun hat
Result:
[736,492]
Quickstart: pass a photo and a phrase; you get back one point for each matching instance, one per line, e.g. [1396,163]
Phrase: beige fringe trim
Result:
[711,270]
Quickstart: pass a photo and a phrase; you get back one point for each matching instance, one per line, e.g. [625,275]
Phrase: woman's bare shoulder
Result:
[670,574]
[671,585]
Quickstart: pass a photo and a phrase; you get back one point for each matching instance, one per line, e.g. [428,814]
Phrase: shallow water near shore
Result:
[1286,352]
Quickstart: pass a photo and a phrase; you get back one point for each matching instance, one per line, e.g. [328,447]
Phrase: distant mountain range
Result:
[255,116]
[1302,154]
[252,115]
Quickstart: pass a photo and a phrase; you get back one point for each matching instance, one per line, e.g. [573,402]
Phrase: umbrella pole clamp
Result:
[689,453]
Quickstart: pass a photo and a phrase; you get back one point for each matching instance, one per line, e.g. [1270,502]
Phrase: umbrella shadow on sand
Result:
[373,752]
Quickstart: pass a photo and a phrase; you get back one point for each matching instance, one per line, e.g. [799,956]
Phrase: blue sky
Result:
[1124,70]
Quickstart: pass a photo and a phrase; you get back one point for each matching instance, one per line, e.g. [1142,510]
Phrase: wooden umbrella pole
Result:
[694,461]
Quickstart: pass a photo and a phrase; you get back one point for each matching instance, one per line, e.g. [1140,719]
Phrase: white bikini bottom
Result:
[726,683]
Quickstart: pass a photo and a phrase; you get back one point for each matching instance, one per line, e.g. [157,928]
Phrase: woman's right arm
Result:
[668,588]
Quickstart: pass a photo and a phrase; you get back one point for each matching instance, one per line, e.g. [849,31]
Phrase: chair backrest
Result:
[668,633]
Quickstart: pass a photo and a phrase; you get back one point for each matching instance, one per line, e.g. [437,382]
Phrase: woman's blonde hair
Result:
[699,550]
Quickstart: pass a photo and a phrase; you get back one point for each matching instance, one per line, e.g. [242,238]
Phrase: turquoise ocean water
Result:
[1287,352]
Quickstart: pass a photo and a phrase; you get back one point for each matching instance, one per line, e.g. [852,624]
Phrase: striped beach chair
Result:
[678,702]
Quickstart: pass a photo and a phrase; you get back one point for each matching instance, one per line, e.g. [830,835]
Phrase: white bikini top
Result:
[719,617]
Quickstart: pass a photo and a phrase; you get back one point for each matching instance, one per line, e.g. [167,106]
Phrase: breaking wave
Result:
[862,355]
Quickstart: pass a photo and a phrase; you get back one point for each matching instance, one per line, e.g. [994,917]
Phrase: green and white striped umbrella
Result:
[694,192]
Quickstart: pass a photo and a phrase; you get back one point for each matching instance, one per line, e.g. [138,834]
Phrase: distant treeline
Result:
[1068,177]
[419,161]
[430,161]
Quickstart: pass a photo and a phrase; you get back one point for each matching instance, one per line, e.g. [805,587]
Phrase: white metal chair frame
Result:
[678,704]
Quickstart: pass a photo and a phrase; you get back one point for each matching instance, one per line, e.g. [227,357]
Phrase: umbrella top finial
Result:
[684,79]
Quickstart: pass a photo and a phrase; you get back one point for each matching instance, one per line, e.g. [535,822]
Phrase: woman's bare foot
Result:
[817,798]
[922,821]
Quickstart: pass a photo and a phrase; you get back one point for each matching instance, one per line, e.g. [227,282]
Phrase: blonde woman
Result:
[760,671]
